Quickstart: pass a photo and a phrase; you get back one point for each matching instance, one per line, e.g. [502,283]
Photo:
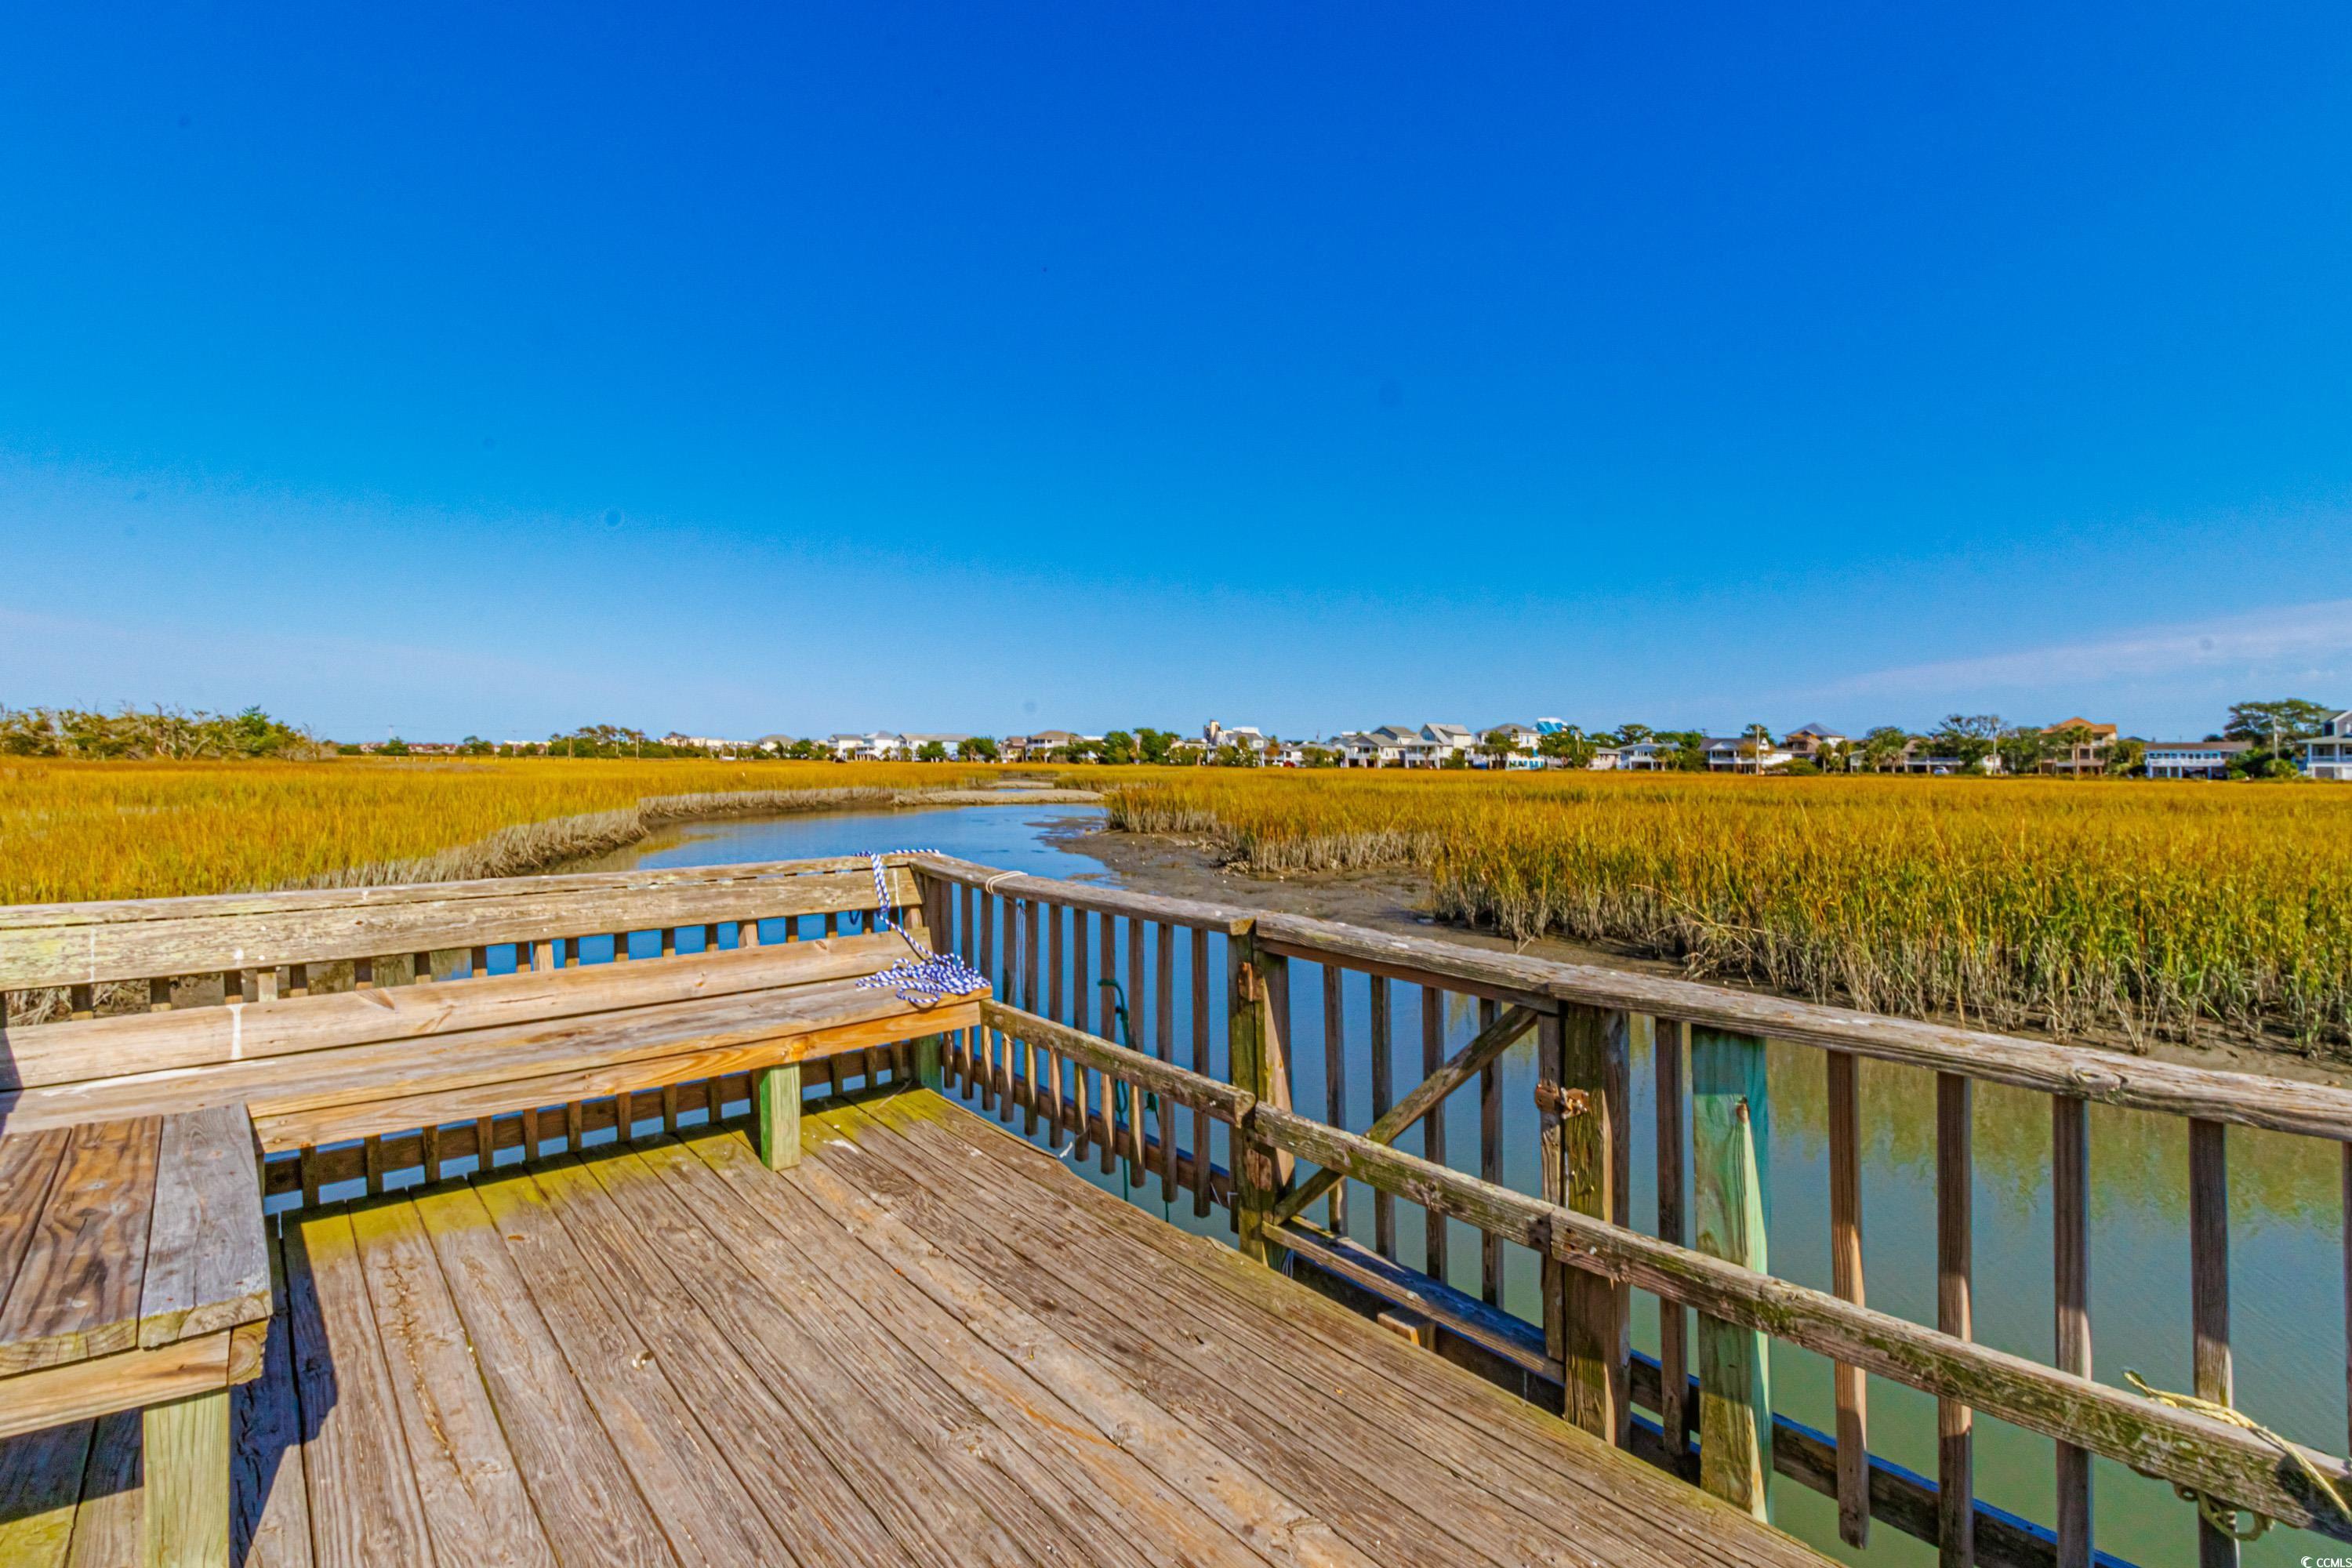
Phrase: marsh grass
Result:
[2100,908]
[72,831]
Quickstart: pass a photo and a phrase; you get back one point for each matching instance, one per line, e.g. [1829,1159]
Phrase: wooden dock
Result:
[621,1217]
[928,1342]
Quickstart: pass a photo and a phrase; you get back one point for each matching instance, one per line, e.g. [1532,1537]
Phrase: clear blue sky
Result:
[458,368]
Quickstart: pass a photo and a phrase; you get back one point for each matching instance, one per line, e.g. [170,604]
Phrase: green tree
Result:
[1118,748]
[1883,747]
[2022,748]
[2127,757]
[1499,747]
[980,748]
[1155,746]
[1969,738]
[395,747]
[2283,719]
[932,752]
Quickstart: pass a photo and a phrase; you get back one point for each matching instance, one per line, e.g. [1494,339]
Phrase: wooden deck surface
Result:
[928,1343]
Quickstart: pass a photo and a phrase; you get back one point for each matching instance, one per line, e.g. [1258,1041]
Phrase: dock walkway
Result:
[928,1342]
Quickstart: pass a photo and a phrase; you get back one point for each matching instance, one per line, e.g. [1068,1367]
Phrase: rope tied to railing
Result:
[2223,1516]
[926,976]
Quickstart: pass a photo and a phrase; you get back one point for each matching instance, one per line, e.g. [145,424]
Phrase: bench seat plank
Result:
[207,1253]
[76,1293]
[317,1079]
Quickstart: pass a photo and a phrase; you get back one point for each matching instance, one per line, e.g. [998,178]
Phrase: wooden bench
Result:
[134,1274]
[467,1066]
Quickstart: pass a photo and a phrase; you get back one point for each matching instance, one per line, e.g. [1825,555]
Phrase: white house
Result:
[1523,739]
[1246,737]
[1446,742]
[2329,756]
[915,742]
[1643,756]
[1744,754]
[2192,759]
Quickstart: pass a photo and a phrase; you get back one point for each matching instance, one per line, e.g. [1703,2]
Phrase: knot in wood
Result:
[1553,1099]
[1249,981]
[1258,1168]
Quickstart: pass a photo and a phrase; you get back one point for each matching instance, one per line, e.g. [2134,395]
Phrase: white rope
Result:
[928,976]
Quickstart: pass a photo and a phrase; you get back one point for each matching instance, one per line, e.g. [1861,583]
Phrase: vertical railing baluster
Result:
[1432,1126]
[2070,1236]
[1136,1013]
[1383,1204]
[1081,976]
[1490,1157]
[1107,1026]
[1955,1265]
[1032,920]
[1730,1148]
[1163,1039]
[1200,1064]
[1671,1039]
[2208,1276]
[1846,1282]
[1594,1310]
[1335,1078]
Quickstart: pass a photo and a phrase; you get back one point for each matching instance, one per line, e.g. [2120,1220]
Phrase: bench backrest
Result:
[334,1051]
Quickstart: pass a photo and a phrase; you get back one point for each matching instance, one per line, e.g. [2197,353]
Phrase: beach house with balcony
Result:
[2328,754]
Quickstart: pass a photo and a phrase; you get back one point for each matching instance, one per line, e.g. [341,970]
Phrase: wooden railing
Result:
[1213,1114]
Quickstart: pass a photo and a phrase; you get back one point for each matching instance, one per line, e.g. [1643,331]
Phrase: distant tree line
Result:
[151,733]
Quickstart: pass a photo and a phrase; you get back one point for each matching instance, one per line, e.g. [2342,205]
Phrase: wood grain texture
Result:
[62,944]
[207,1253]
[2070,1236]
[1730,1142]
[124,1379]
[1596,1312]
[2208,1294]
[584,1497]
[1852,1386]
[1955,1270]
[204,1036]
[1678,1412]
[78,1285]
[186,1508]
[363,1504]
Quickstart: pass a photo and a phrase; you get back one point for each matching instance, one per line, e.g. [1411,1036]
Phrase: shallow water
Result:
[2288,1307]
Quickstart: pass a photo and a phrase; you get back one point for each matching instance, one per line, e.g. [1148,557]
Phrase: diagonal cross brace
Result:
[1465,1064]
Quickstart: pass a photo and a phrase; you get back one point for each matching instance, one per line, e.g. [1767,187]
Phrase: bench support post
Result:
[187,1501]
[928,1072]
[776,1095]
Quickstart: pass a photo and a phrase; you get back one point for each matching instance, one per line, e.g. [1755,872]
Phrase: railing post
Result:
[929,1070]
[1255,1049]
[1730,1146]
[1595,1313]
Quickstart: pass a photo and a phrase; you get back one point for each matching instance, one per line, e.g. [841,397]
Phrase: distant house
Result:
[1743,754]
[915,744]
[1813,743]
[1445,741]
[1523,738]
[1645,756]
[2087,755]
[1917,759]
[2328,754]
[1244,737]
[1607,759]
[2192,759]
[1037,748]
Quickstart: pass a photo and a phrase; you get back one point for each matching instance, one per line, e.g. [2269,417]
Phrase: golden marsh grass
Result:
[2094,908]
